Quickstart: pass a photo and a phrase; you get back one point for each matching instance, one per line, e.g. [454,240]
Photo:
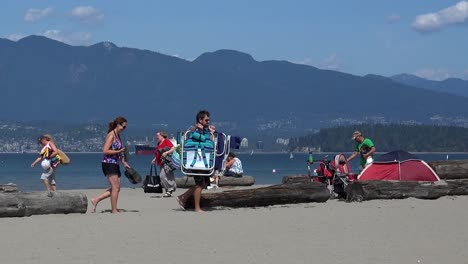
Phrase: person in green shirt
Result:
[365,148]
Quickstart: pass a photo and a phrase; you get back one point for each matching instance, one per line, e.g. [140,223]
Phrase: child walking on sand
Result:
[50,160]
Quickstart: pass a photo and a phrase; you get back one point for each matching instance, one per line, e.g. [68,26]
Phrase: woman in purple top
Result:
[113,152]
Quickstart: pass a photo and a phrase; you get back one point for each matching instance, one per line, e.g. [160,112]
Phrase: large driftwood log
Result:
[38,203]
[296,179]
[271,195]
[450,169]
[8,187]
[187,182]
[370,190]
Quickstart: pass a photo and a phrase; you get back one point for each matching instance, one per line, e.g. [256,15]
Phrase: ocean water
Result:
[84,172]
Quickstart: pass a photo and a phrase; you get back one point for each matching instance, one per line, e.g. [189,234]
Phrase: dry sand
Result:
[154,230]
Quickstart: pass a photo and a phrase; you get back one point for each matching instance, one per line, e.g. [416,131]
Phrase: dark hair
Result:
[117,120]
[202,114]
[232,155]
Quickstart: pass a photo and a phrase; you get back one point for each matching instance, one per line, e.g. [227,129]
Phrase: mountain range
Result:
[451,85]
[43,79]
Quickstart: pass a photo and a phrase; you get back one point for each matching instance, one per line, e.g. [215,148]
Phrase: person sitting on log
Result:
[50,160]
[233,166]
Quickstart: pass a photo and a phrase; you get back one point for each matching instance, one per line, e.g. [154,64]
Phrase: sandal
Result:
[167,194]
[181,204]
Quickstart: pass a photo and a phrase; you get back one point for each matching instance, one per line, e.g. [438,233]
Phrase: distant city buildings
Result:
[282,141]
[260,145]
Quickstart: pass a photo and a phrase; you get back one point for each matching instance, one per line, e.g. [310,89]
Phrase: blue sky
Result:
[423,37]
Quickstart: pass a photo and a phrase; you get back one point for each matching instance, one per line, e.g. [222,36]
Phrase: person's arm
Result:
[229,163]
[36,161]
[368,154]
[106,150]
[127,166]
[212,128]
[54,149]
[170,151]
[353,155]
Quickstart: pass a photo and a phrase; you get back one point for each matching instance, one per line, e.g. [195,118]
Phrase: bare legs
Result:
[112,192]
[197,195]
[49,182]
[47,185]
[196,192]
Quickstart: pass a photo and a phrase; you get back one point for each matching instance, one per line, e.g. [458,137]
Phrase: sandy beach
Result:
[154,230]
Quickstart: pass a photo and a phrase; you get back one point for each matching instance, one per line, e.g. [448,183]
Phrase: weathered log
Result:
[450,169]
[187,182]
[271,195]
[38,203]
[10,187]
[370,190]
[296,179]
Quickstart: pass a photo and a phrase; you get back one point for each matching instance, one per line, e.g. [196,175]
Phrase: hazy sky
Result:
[428,38]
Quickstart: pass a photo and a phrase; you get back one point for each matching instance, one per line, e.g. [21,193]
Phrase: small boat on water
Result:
[291,156]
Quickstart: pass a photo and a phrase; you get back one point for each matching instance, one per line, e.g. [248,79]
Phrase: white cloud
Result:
[72,38]
[34,14]
[465,74]
[87,14]
[393,18]
[456,14]
[16,36]
[306,61]
[331,62]
[436,74]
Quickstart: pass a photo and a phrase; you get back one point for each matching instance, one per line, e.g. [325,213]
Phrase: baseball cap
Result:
[356,134]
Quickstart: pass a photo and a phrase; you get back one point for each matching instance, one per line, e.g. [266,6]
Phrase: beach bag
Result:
[64,159]
[152,183]
[132,175]
[175,160]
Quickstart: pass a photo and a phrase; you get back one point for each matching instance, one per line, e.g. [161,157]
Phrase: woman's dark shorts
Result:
[110,169]
[202,181]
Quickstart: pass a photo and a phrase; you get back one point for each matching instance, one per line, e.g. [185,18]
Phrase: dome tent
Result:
[398,166]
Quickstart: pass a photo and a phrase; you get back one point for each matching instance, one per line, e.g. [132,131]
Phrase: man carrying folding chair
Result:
[197,156]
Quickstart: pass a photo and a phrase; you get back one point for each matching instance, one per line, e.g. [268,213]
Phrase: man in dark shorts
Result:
[202,124]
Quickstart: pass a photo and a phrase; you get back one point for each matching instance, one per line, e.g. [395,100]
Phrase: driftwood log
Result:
[299,178]
[38,203]
[271,195]
[8,187]
[187,182]
[450,169]
[370,190]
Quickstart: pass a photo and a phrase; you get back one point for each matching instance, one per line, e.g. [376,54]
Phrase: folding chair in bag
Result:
[198,150]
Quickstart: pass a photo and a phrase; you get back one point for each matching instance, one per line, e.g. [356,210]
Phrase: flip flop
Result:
[181,204]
